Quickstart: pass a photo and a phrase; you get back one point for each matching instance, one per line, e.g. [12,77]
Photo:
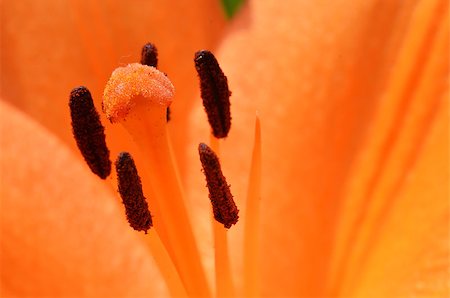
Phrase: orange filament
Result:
[224,281]
[164,263]
[251,229]
[137,96]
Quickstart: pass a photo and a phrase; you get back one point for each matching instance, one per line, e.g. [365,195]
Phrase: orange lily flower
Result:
[353,102]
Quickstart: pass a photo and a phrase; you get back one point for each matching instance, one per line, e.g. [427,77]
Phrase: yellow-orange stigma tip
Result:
[127,87]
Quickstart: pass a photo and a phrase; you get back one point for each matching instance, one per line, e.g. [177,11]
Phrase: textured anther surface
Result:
[149,55]
[224,208]
[88,132]
[214,92]
[130,189]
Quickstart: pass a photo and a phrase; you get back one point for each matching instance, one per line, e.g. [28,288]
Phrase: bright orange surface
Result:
[63,234]
[353,102]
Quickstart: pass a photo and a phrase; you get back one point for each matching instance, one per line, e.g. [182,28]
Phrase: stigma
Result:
[132,86]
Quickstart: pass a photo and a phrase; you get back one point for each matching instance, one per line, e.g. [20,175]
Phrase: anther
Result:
[214,92]
[168,114]
[130,189]
[89,132]
[224,208]
[149,55]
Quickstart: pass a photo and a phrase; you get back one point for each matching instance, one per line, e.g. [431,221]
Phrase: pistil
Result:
[137,97]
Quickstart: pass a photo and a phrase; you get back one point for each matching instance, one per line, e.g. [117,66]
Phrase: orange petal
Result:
[315,72]
[409,253]
[415,95]
[63,234]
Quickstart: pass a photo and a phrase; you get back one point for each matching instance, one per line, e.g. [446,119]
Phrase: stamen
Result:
[88,132]
[214,92]
[224,280]
[224,208]
[149,55]
[130,189]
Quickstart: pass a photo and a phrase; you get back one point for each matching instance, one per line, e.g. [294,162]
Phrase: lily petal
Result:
[408,253]
[316,75]
[63,232]
[415,99]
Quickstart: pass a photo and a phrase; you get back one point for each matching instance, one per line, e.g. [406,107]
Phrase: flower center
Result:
[138,96]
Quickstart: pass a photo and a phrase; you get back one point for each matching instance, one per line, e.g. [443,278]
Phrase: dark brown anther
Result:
[214,92]
[149,55]
[130,189]
[224,208]
[168,114]
[89,132]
